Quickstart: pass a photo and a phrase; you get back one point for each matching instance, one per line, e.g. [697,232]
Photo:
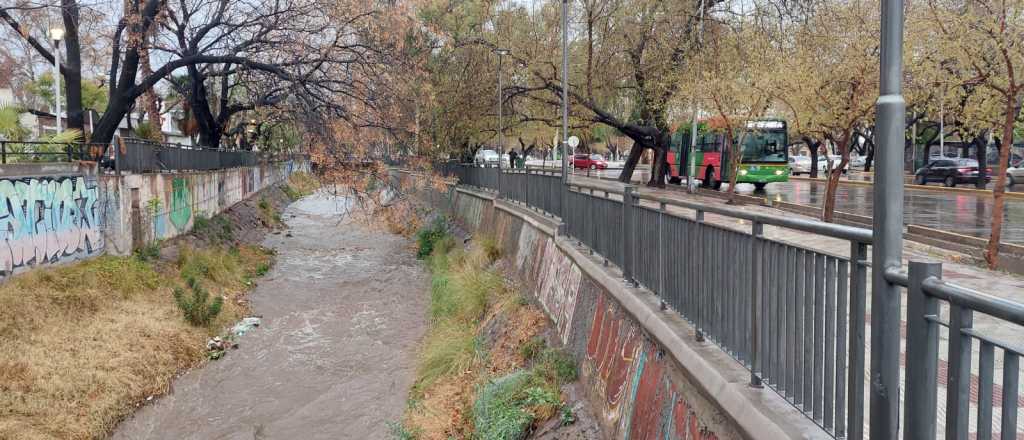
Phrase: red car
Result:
[592,161]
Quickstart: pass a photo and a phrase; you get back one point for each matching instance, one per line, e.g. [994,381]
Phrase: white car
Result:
[858,161]
[836,160]
[1015,174]
[486,158]
[802,164]
[799,165]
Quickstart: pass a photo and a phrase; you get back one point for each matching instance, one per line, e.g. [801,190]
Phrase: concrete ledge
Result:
[52,169]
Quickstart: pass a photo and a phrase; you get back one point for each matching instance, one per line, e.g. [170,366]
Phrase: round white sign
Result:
[573,141]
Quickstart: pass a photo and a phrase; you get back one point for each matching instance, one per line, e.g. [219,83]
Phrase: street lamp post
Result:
[56,34]
[691,184]
[887,245]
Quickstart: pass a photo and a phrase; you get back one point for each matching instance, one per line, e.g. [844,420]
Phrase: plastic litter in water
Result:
[245,325]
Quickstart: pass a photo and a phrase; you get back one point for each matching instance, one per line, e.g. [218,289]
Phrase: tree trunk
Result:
[634,158]
[734,162]
[981,154]
[998,197]
[659,165]
[812,146]
[72,66]
[834,173]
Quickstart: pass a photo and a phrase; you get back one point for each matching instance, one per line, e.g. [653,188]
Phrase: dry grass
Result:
[81,345]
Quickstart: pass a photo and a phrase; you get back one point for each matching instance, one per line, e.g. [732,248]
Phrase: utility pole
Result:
[56,34]
[691,185]
[887,244]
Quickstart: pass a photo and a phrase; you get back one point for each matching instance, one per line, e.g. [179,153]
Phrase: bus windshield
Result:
[764,146]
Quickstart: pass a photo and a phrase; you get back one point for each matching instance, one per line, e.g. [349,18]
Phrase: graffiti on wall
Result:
[46,220]
[181,204]
[632,374]
[559,288]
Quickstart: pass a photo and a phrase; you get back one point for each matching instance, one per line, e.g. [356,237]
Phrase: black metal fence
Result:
[793,315]
[32,152]
[140,156]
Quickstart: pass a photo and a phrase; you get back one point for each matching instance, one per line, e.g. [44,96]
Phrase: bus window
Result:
[764,146]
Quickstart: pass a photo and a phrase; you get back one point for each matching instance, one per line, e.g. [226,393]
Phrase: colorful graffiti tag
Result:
[46,220]
[181,204]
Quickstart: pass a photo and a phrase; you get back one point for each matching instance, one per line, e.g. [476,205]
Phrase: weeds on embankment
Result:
[82,344]
[484,371]
[300,184]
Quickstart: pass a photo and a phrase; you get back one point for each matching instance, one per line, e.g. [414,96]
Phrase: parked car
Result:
[592,161]
[858,161]
[799,165]
[486,158]
[1015,174]
[802,164]
[836,160]
[950,172]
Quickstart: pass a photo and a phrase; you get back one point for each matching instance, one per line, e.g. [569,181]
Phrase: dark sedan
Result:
[950,172]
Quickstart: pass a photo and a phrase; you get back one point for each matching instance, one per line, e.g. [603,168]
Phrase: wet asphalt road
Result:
[343,312]
[959,212]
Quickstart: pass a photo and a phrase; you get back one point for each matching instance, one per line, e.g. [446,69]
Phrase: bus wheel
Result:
[709,175]
[759,186]
[675,180]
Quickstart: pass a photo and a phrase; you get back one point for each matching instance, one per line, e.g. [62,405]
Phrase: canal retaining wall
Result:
[59,213]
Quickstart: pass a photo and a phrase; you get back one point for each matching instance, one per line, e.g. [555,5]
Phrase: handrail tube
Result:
[852,233]
[990,305]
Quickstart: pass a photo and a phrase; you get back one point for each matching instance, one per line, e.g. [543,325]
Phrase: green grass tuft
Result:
[197,309]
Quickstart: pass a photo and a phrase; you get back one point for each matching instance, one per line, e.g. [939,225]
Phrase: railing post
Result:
[661,252]
[3,152]
[958,381]
[756,298]
[858,311]
[627,233]
[699,317]
[922,353]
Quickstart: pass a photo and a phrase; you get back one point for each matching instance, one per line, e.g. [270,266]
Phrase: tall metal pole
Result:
[56,83]
[887,246]
[565,92]
[691,184]
[501,128]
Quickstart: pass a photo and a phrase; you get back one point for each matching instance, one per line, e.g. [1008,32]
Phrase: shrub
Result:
[197,309]
[499,411]
[557,366]
[148,252]
[216,228]
[430,236]
[531,348]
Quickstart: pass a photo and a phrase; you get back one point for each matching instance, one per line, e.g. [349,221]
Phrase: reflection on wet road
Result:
[963,213]
[959,212]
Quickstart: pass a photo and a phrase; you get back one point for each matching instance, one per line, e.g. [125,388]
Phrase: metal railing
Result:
[32,152]
[140,156]
[792,315]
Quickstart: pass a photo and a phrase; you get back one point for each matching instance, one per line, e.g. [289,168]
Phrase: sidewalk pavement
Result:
[999,284]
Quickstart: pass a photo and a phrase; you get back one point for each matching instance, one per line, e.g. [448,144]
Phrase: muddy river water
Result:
[343,311]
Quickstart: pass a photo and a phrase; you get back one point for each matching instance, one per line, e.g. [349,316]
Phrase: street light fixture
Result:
[56,34]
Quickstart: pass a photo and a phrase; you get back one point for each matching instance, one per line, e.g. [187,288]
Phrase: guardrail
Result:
[794,316]
[31,152]
[140,156]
